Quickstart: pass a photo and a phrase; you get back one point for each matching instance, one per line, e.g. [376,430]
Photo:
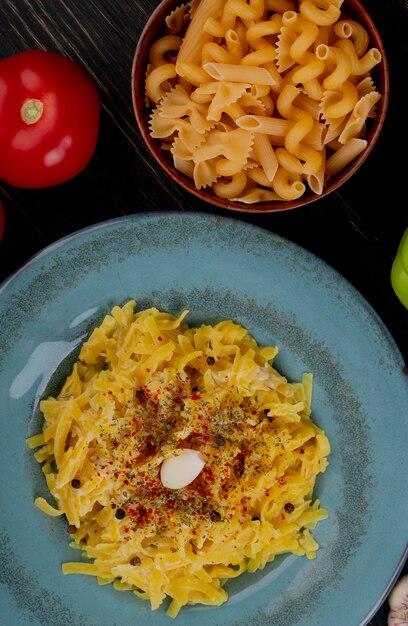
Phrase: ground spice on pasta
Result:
[145,392]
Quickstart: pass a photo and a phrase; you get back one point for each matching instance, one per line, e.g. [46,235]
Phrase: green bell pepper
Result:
[399,271]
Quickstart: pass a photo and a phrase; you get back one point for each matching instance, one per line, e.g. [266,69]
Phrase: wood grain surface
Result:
[356,230]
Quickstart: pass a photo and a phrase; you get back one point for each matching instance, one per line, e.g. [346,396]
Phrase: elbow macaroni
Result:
[239,60]
[146,386]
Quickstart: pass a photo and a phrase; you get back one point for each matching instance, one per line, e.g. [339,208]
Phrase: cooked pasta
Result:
[238,59]
[148,390]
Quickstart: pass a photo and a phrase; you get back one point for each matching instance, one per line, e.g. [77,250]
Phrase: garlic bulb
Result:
[398,603]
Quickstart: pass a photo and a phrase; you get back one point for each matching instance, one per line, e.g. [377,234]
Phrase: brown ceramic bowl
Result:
[154,29]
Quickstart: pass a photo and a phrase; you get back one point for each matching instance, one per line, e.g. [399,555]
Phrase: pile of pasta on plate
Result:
[262,100]
[180,457]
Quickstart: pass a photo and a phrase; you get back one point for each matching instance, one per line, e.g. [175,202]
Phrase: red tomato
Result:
[1,219]
[49,119]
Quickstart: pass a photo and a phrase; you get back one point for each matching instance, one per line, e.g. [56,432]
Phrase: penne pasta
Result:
[239,73]
[344,155]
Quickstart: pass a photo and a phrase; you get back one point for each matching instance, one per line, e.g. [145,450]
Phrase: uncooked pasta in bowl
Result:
[260,106]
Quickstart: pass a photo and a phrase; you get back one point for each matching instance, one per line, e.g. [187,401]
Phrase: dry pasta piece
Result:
[366,85]
[239,73]
[313,89]
[317,180]
[251,10]
[205,173]
[162,128]
[232,187]
[306,32]
[338,104]
[212,51]
[219,28]
[157,79]
[350,29]
[334,131]
[307,72]
[175,21]
[265,155]
[234,45]
[307,104]
[255,35]
[192,73]
[288,161]
[234,145]
[259,57]
[256,106]
[344,155]
[321,12]
[285,187]
[232,148]
[196,36]
[178,104]
[342,66]
[358,118]
[286,38]
[359,66]
[226,94]
[264,124]
[161,48]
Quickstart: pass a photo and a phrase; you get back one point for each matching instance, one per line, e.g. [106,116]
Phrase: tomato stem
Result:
[31,111]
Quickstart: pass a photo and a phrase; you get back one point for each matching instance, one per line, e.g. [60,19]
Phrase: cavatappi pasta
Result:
[254,99]
[145,388]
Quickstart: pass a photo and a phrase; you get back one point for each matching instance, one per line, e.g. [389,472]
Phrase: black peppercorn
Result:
[140,394]
[215,516]
[71,529]
[135,561]
[120,514]
[220,441]
[210,360]
[289,508]
[76,483]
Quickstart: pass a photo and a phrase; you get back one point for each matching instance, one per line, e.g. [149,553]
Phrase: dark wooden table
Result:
[355,230]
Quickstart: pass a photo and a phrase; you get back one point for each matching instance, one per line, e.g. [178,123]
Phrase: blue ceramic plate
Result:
[218,268]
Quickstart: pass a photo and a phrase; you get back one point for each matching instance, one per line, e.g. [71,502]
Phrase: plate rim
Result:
[99,226]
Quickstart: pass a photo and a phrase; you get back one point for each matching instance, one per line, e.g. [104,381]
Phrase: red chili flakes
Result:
[160,338]
[195,396]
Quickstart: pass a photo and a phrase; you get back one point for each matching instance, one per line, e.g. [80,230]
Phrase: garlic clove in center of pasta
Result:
[179,471]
